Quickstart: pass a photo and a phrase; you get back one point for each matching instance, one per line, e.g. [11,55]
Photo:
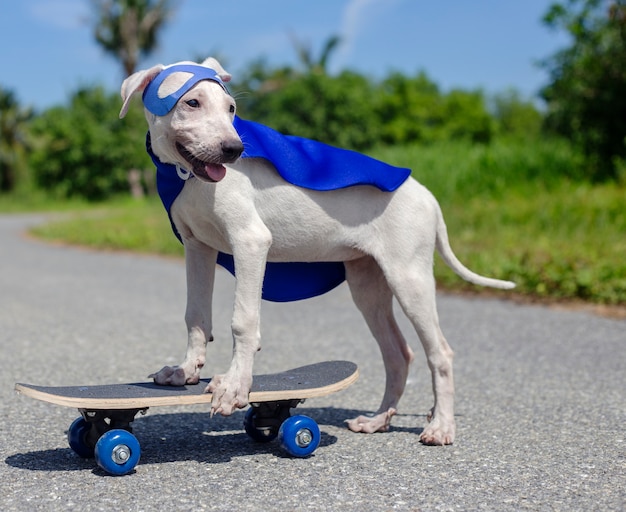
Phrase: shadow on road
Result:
[190,436]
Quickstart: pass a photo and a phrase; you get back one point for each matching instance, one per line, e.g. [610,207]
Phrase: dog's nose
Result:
[231,150]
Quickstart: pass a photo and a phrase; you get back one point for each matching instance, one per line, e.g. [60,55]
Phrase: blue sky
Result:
[48,50]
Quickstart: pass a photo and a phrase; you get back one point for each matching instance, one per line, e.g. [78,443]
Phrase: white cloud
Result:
[357,16]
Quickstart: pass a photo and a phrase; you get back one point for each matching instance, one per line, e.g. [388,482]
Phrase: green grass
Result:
[567,242]
[514,210]
[521,211]
[37,201]
[130,225]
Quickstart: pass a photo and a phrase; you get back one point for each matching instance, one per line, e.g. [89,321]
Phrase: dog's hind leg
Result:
[415,290]
[200,261]
[374,298]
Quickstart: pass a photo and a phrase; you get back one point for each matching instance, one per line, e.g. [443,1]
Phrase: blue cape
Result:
[304,163]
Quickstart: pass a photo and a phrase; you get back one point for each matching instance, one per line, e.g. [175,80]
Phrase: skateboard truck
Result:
[101,421]
[263,420]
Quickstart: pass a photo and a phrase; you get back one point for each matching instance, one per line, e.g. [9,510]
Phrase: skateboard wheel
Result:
[117,452]
[77,438]
[299,436]
[260,435]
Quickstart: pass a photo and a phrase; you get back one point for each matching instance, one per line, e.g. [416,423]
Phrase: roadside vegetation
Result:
[533,195]
[557,238]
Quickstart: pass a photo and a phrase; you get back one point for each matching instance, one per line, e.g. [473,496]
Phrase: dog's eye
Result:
[232,109]
[193,103]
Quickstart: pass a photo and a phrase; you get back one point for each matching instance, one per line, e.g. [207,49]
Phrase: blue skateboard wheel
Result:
[117,452]
[299,436]
[77,438]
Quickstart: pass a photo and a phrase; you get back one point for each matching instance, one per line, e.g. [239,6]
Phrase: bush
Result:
[352,111]
[457,170]
[85,150]
[336,110]
[516,116]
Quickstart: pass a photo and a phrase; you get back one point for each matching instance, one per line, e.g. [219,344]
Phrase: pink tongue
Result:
[215,171]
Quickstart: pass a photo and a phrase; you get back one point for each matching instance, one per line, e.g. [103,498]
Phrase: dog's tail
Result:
[444,249]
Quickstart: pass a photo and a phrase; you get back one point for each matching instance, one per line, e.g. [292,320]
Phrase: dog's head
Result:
[190,114]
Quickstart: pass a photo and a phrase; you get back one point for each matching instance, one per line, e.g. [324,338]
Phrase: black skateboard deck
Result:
[310,381]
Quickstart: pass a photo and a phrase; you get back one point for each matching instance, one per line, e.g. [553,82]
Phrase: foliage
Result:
[14,141]
[357,112]
[353,111]
[559,243]
[337,110]
[586,97]
[516,116]
[466,117]
[128,225]
[85,150]
[519,210]
[516,201]
[412,109]
[409,109]
[523,212]
[82,150]
[347,110]
[557,238]
[128,29]
[456,170]
[307,58]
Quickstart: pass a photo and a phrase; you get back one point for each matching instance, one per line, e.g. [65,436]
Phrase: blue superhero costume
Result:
[301,162]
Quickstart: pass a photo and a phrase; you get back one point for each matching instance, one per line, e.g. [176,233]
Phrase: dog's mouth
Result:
[209,171]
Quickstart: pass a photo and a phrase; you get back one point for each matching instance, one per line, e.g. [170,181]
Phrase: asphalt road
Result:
[541,405]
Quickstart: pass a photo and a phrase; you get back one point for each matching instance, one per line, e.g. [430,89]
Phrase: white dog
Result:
[244,208]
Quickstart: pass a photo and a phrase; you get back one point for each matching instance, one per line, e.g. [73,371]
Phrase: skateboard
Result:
[103,430]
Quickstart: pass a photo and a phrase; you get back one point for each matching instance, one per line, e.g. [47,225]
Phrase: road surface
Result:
[541,406]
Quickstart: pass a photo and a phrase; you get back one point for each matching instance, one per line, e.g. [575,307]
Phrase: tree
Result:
[84,150]
[308,60]
[310,103]
[261,79]
[516,116]
[410,109]
[128,29]
[14,140]
[585,98]
[334,109]
[466,117]
[413,109]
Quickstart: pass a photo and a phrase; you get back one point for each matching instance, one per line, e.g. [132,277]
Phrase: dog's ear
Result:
[212,63]
[135,83]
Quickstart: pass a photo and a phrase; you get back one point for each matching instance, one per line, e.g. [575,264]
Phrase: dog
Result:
[385,241]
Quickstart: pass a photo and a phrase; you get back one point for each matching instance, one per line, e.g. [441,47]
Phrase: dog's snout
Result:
[231,150]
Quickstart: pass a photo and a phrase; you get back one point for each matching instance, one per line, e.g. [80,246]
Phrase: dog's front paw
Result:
[174,376]
[370,424]
[229,394]
[438,432]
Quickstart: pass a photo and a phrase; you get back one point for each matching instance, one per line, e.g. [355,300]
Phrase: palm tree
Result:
[311,63]
[128,29]
[13,139]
